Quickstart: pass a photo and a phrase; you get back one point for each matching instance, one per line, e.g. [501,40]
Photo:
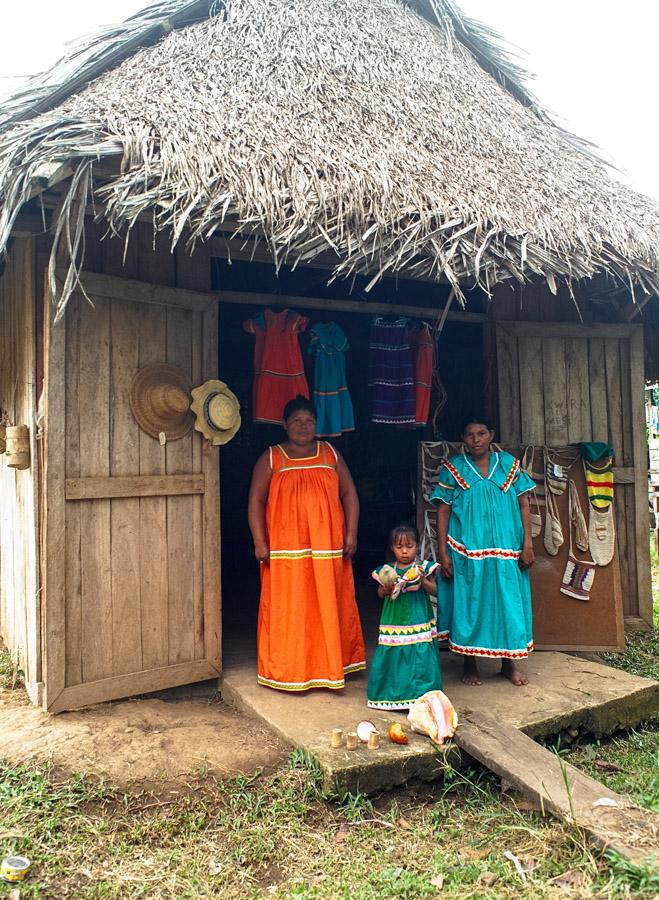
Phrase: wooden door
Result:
[563,383]
[132,562]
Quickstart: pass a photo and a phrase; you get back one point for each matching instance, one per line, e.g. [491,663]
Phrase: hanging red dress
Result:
[278,366]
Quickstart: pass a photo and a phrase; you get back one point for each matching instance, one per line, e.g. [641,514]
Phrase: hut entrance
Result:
[381,458]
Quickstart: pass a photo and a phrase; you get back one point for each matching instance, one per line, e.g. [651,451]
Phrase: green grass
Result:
[278,836]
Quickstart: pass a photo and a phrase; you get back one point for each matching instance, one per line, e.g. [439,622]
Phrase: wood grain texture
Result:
[540,775]
[508,372]
[599,416]
[578,393]
[532,391]
[641,512]
[54,474]
[124,512]
[134,486]
[72,511]
[134,683]
[555,391]
[94,407]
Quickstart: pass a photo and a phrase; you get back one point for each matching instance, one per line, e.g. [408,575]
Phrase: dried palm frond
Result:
[397,135]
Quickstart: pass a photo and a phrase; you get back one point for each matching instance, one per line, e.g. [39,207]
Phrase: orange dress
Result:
[278,366]
[309,633]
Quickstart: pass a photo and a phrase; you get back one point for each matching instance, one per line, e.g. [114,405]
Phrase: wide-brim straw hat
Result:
[217,411]
[160,401]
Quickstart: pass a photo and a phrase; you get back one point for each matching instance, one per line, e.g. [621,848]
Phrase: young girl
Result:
[485,551]
[406,662]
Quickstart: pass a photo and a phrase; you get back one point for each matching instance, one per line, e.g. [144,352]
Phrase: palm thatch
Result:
[396,134]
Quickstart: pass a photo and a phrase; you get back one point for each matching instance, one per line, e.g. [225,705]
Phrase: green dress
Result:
[488,600]
[406,662]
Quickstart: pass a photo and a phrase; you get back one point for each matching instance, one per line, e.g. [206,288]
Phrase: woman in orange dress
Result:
[303,511]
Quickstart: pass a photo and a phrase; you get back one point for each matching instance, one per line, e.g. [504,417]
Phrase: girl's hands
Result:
[527,557]
[350,546]
[262,552]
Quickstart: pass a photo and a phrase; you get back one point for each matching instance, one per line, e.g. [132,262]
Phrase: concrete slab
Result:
[565,694]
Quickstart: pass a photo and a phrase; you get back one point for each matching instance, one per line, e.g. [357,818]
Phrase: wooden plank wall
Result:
[564,383]
[19,584]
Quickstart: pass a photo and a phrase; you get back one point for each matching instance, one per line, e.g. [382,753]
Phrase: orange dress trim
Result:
[309,634]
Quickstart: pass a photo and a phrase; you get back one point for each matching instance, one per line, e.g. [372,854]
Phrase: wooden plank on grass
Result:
[614,824]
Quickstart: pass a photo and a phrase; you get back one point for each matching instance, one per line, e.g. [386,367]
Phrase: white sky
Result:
[594,61]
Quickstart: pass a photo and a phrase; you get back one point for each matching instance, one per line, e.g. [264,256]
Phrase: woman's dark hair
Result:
[403,530]
[476,418]
[298,403]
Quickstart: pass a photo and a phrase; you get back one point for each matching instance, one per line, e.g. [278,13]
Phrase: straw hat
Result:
[160,401]
[217,410]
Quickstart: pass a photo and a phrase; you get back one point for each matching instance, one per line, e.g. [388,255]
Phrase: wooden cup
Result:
[336,739]
[351,740]
[18,446]
[374,740]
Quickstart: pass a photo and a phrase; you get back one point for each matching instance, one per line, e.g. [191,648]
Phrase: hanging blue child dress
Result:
[489,597]
[330,396]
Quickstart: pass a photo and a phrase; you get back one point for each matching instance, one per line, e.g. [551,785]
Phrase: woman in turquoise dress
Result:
[485,551]
[406,662]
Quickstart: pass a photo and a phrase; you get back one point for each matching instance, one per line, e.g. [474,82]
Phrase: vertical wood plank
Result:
[153,512]
[621,505]
[124,512]
[532,391]
[599,416]
[641,513]
[54,475]
[193,272]
[157,267]
[180,509]
[626,403]
[554,381]
[94,404]
[212,549]
[72,510]
[578,394]
[614,397]
[509,387]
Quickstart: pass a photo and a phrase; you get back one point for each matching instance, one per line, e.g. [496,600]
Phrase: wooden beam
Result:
[248,298]
[118,686]
[142,291]
[48,175]
[610,821]
[96,488]
[624,474]
[566,329]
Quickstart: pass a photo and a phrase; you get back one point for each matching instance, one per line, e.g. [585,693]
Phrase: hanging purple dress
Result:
[391,372]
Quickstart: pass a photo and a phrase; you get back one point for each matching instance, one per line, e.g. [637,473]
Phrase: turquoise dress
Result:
[330,395]
[489,597]
[406,661]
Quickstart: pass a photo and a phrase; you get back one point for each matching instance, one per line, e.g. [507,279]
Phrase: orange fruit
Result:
[396,733]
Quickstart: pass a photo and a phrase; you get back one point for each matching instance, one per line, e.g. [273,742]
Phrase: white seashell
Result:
[364,729]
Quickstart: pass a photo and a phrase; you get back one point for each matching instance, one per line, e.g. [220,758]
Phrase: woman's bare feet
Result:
[470,674]
[510,671]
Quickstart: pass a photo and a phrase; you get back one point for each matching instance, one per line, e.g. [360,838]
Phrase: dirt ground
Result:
[139,743]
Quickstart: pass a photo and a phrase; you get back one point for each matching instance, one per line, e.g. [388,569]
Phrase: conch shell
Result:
[433,714]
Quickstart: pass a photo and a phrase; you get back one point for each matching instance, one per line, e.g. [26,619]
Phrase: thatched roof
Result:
[396,134]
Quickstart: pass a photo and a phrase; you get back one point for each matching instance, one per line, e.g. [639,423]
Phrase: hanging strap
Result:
[575,511]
